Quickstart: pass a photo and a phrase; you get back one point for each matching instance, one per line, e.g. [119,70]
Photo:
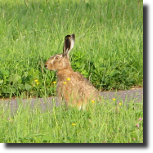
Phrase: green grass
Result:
[108,47]
[106,122]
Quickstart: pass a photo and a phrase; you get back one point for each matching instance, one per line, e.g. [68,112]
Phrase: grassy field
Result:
[108,48]
[106,122]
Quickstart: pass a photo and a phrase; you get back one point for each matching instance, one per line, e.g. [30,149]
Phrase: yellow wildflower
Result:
[113,99]
[93,101]
[68,79]
[37,82]
[73,124]
[54,82]
[120,104]
[64,82]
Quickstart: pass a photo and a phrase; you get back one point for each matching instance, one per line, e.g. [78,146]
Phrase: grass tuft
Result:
[106,122]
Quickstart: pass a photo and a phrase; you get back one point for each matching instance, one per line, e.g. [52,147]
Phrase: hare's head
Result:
[61,61]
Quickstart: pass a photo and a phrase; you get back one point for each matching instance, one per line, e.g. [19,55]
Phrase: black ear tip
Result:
[70,36]
[73,36]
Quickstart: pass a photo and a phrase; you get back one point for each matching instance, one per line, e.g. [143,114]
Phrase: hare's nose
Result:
[45,65]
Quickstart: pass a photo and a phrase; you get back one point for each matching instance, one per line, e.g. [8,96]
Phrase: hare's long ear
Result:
[68,44]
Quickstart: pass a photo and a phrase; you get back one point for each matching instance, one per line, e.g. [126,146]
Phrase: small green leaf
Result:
[1,81]
[27,86]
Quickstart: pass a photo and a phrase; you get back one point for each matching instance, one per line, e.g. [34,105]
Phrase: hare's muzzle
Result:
[45,65]
[49,66]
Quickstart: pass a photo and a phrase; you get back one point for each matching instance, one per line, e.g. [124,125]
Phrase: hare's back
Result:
[84,85]
[81,79]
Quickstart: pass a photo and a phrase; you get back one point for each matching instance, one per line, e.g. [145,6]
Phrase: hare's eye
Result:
[57,57]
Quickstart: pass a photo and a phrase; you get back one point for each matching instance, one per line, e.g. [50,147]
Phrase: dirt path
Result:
[121,96]
[127,95]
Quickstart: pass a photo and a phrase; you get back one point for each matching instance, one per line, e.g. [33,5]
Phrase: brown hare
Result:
[72,87]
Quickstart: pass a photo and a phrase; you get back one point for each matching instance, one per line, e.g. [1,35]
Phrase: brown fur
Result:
[72,87]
